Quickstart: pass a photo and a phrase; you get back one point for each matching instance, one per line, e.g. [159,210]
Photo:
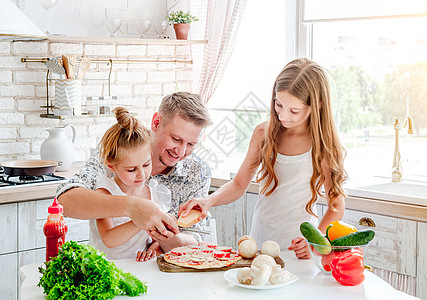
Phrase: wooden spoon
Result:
[83,67]
[69,71]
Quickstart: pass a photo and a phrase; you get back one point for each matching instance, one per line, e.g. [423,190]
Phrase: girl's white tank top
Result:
[278,216]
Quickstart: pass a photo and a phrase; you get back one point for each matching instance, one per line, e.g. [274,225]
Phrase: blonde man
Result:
[175,131]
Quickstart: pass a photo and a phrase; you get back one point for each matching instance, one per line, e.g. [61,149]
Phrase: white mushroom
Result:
[244,276]
[280,277]
[248,248]
[263,259]
[270,248]
[244,238]
[276,269]
[254,270]
[262,276]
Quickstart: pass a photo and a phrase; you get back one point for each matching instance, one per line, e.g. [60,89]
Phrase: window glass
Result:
[379,71]
[242,98]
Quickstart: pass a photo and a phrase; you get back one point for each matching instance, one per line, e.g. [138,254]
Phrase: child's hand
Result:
[145,255]
[299,245]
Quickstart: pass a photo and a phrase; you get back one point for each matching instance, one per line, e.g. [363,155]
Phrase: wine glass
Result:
[112,25]
[142,26]
[160,27]
[47,4]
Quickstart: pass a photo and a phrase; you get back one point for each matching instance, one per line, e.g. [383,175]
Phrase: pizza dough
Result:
[203,256]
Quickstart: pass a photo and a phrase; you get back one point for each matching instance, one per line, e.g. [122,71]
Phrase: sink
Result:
[401,188]
[404,192]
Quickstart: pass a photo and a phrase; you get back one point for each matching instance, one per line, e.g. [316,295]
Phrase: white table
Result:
[312,284]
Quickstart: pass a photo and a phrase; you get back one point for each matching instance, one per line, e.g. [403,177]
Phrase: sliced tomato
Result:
[222,254]
[178,253]
[207,250]
[207,245]
[224,249]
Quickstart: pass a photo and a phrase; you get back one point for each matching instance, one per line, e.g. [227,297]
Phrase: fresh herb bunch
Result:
[82,272]
[181,17]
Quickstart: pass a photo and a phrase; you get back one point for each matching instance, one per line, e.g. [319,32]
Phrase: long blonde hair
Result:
[307,81]
[127,133]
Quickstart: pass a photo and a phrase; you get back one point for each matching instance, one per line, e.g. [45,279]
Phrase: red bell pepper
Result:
[347,267]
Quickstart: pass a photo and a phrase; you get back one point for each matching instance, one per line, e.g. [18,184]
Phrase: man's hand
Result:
[169,240]
[299,245]
[147,215]
[201,204]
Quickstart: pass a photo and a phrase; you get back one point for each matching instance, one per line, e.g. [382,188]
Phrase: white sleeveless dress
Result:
[159,195]
[278,216]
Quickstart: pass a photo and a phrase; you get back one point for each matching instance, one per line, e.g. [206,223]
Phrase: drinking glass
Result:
[142,26]
[47,4]
[160,27]
[112,25]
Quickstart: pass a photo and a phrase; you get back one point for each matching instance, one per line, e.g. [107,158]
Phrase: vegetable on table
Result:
[337,229]
[347,267]
[315,236]
[357,238]
[82,272]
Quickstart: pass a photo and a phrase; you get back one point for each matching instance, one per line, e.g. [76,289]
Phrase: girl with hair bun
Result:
[125,150]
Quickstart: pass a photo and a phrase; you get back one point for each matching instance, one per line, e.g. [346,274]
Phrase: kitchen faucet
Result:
[396,175]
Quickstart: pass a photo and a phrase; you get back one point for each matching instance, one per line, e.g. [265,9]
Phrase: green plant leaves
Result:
[82,272]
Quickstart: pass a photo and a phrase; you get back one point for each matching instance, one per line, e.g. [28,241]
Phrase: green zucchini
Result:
[357,238]
[316,237]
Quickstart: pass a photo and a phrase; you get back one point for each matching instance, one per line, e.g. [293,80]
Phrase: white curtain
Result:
[220,21]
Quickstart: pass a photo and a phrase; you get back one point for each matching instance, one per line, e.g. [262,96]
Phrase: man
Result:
[175,130]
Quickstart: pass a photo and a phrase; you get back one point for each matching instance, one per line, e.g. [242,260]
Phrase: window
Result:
[242,99]
[377,57]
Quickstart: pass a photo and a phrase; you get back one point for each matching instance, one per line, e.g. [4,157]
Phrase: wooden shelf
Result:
[121,40]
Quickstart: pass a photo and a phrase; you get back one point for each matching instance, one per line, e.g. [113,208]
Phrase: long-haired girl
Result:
[296,152]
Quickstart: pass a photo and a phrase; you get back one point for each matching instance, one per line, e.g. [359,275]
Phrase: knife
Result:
[194,230]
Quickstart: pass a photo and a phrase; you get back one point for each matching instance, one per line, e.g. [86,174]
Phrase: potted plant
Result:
[181,23]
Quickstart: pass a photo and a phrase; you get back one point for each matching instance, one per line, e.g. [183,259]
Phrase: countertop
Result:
[312,284]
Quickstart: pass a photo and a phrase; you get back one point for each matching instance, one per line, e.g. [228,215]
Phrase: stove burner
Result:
[6,180]
[25,178]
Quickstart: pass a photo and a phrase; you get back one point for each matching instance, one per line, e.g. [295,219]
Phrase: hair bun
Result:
[125,119]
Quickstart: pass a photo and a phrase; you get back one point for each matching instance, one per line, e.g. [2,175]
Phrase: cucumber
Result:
[357,238]
[315,236]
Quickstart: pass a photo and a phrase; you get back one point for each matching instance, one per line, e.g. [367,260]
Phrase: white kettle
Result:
[58,147]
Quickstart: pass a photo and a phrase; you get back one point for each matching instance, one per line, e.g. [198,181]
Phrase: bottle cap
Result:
[55,208]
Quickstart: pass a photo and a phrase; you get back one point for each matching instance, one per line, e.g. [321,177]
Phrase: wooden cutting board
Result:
[164,266]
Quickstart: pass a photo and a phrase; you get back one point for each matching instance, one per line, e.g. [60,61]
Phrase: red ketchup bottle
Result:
[54,229]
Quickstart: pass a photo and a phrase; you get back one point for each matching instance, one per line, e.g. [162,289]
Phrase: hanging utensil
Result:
[55,67]
[83,67]
[72,59]
[69,71]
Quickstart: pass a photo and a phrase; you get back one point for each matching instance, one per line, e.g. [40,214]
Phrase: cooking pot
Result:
[30,167]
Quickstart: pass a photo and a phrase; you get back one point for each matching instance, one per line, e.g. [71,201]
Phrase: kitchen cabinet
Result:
[23,242]
[230,221]
[393,251]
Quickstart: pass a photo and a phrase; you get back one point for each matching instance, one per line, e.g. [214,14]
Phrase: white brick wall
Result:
[140,87]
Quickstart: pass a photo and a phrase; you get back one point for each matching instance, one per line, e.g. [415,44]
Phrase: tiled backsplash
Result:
[139,86]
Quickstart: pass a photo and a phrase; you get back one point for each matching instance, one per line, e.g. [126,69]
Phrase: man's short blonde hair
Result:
[186,105]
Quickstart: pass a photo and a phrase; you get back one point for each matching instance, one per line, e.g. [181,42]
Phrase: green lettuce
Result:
[82,272]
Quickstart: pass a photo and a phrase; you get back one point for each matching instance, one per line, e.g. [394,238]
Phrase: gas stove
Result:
[13,181]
